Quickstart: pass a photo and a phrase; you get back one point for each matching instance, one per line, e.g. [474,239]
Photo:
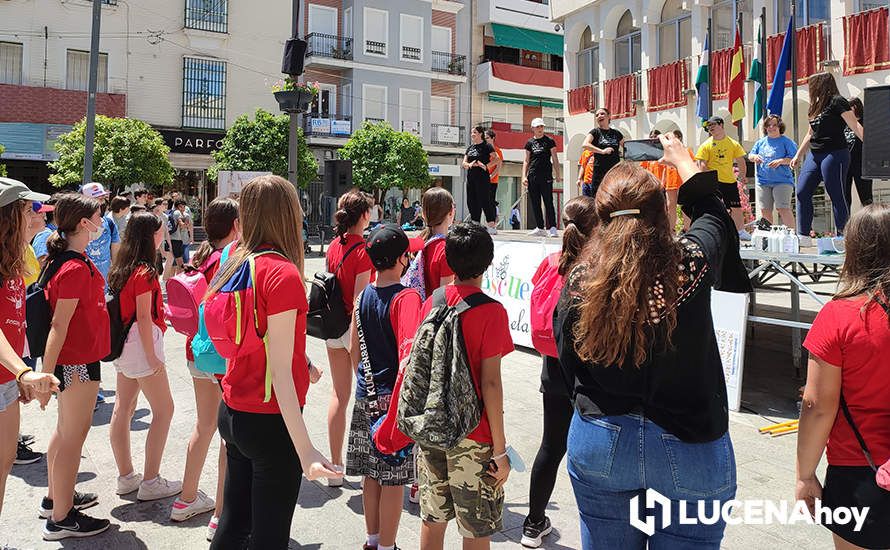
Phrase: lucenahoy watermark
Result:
[736,512]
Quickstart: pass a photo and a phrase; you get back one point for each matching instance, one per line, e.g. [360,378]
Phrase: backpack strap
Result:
[473,300]
[439,299]
[859,438]
[348,252]
[53,267]
[251,261]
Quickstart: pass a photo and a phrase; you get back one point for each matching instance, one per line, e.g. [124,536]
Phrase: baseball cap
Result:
[387,242]
[537,122]
[12,190]
[713,120]
[94,190]
[40,208]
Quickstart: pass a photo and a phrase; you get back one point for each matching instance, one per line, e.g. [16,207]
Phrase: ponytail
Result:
[70,209]
[350,209]
[579,218]
[436,204]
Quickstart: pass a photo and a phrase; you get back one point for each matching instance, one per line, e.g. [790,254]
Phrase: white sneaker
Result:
[537,233]
[182,510]
[335,481]
[744,235]
[128,484]
[211,528]
[158,489]
[553,232]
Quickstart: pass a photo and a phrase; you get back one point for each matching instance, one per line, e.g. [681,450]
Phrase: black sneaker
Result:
[75,524]
[82,501]
[24,454]
[533,533]
[26,438]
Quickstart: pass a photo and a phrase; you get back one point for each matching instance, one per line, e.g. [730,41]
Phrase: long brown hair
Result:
[627,256]
[822,88]
[270,216]
[219,220]
[70,209]
[866,270]
[350,209]
[12,240]
[137,249]
[436,204]
[579,219]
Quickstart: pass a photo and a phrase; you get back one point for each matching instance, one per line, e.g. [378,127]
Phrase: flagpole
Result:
[762,46]
[710,77]
[793,43]
[738,23]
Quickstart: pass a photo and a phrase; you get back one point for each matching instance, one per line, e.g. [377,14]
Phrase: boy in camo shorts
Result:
[466,483]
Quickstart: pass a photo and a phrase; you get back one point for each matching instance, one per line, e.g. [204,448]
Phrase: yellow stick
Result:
[772,427]
[783,431]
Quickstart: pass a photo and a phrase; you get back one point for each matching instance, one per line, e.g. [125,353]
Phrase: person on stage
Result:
[478,160]
[775,183]
[540,164]
[719,152]
[606,144]
[863,186]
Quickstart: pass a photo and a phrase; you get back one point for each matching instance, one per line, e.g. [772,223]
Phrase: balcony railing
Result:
[412,54]
[327,125]
[447,134]
[375,48]
[551,125]
[444,62]
[329,45]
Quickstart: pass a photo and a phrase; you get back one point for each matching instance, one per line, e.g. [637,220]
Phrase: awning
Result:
[527,39]
[530,101]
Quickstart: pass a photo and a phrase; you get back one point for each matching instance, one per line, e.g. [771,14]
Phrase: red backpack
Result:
[545,295]
[185,292]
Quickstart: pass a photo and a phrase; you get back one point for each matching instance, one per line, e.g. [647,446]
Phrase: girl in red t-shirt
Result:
[438,213]
[17,381]
[78,339]
[356,272]
[141,368]
[848,344]
[222,227]
[268,449]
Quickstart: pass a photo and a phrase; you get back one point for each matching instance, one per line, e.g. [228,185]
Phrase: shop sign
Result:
[447,134]
[197,143]
[341,127]
[320,125]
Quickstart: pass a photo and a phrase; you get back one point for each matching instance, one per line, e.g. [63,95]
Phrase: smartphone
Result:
[643,149]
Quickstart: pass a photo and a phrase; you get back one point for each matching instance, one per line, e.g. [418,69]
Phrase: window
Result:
[207,15]
[346,100]
[322,19]
[374,102]
[10,63]
[347,22]
[809,12]
[723,24]
[628,46]
[411,33]
[376,32]
[674,33]
[440,110]
[588,59]
[440,39]
[78,71]
[865,5]
[410,110]
[203,93]
[325,103]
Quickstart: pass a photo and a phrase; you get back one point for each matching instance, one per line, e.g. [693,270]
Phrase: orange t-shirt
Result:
[586,156]
[672,177]
[495,173]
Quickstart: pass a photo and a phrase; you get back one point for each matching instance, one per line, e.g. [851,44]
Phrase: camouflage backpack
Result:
[438,403]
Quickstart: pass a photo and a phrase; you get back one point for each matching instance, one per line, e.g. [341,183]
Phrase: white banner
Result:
[230,182]
[341,127]
[320,125]
[448,134]
[411,126]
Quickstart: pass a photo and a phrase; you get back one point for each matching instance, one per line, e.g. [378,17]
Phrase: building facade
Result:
[640,59]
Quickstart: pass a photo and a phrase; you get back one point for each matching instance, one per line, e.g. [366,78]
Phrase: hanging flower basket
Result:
[294,97]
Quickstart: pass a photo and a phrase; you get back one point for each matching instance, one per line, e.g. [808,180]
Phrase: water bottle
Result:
[760,239]
[788,242]
[775,240]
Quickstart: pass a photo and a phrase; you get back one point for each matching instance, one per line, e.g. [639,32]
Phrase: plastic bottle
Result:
[775,240]
[789,241]
[760,239]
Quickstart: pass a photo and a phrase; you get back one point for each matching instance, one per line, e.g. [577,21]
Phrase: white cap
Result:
[537,122]
[94,190]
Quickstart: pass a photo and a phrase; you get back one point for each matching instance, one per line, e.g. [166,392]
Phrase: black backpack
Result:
[172,226]
[327,318]
[118,326]
[38,313]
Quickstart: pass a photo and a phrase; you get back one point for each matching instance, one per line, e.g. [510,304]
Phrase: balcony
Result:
[411,54]
[444,62]
[503,78]
[327,125]
[552,126]
[447,135]
[375,48]
[512,136]
[329,46]
[530,14]
[582,99]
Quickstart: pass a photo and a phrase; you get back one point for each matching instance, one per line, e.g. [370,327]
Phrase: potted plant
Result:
[456,66]
[293,96]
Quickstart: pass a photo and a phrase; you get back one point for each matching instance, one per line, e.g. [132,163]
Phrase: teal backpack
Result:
[207,359]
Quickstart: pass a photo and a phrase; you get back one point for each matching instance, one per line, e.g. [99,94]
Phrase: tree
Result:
[383,158]
[260,145]
[126,151]
[2,166]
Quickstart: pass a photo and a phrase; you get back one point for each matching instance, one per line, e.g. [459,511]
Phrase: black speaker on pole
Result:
[876,124]
[337,177]
[294,56]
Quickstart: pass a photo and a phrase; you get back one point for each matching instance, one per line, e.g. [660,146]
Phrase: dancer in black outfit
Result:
[541,163]
[479,157]
[854,173]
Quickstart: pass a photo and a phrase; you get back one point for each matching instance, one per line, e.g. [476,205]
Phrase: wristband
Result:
[497,457]
[18,377]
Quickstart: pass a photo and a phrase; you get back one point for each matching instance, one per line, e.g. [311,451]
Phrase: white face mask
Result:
[96,233]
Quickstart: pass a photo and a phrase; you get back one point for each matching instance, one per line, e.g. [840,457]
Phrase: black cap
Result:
[387,242]
[714,120]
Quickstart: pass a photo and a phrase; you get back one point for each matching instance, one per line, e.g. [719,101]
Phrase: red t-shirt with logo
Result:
[434,266]
[143,280]
[279,288]
[486,334]
[357,262]
[88,339]
[12,317]
[857,342]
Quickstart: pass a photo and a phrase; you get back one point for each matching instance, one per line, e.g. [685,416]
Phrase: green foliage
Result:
[2,166]
[383,158]
[260,145]
[126,152]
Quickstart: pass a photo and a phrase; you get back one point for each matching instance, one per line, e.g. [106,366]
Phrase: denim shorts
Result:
[9,394]
[613,459]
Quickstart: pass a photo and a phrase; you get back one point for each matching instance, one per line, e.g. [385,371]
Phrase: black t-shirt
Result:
[828,127]
[539,164]
[609,137]
[482,152]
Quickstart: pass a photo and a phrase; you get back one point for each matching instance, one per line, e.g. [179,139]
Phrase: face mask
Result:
[95,234]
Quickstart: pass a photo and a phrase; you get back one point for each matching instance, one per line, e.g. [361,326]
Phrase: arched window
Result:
[809,12]
[723,22]
[588,59]
[674,32]
[628,46]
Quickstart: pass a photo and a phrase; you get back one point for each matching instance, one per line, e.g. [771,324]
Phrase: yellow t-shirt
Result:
[720,155]
[32,266]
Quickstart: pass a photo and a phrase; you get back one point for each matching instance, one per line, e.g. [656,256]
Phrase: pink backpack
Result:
[184,293]
[543,301]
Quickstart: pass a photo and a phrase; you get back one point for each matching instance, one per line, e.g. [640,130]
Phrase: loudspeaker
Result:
[876,124]
[337,177]
[294,56]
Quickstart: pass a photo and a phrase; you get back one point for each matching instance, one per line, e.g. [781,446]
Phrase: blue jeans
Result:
[830,167]
[612,459]
[588,190]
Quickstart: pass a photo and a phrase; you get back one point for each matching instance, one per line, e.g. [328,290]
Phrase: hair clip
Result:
[628,212]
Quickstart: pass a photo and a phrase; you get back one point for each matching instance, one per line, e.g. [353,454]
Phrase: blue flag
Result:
[703,84]
[777,93]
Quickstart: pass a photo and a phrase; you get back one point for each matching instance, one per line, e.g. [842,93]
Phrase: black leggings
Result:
[480,199]
[541,189]
[863,188]
[262,481]
[557,417]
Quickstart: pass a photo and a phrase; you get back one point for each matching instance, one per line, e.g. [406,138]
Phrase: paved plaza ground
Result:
[331,518]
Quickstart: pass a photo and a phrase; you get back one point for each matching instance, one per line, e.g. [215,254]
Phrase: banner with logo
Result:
[229,182]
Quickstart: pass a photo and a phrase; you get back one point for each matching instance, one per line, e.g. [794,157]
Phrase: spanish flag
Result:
[737,80]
